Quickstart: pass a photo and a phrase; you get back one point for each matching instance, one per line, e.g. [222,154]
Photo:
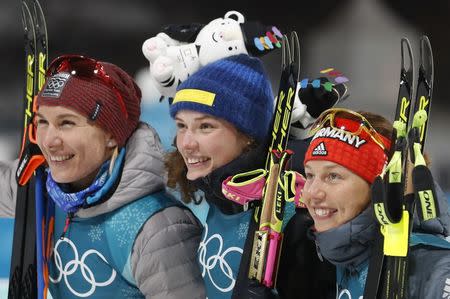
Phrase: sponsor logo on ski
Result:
[22,166]
[41,77]
[282,119]
[320,150]
[380,213]
[403,109]
[30,89]
[55,85]
[279,203]
[446,294]
[395,177]
[428,207]
[343,136]
[423,106]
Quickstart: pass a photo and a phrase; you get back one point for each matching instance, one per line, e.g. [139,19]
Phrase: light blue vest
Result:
[93,258]
[220,251]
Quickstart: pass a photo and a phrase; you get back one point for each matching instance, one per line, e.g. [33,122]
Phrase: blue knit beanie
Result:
[236,89]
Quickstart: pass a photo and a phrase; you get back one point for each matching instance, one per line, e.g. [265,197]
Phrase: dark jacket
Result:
[348,248]
[211,185]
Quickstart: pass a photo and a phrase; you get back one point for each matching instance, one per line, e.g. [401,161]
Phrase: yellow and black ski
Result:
[406,184]
[268,238]
[23,278]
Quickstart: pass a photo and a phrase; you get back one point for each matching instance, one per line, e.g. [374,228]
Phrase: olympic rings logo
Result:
[55,83]
[72,266]
[217,260]
[345,293]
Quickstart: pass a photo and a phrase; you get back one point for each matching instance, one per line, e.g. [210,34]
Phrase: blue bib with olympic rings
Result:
[93,257]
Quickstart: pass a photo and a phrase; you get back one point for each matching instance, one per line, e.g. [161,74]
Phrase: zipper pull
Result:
[66,225]
[206,180]
[318,252]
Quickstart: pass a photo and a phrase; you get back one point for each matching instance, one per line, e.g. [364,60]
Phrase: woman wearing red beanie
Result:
[117,234]
[347,152]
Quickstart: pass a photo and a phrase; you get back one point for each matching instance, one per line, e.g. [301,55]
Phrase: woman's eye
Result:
[67,123]
[206,126]
[309,176]
[180,126]
[41,122]
[333,176]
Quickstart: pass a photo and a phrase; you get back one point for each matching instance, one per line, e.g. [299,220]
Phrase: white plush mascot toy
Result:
[180,50]
[173,59]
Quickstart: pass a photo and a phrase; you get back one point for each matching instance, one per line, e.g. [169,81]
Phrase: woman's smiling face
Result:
[206,142]
[73,148]
[333,194]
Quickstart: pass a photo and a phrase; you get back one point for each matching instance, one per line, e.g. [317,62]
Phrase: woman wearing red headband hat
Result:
[117,234]
[347,152]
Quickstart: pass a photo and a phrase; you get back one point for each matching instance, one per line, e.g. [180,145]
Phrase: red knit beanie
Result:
[360,154]
[96,99]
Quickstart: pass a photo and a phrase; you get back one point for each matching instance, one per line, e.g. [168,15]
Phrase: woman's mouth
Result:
[197,161]
[324,212]
[61,158]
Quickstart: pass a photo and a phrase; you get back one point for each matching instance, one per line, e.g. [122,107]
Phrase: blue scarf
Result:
[71,202]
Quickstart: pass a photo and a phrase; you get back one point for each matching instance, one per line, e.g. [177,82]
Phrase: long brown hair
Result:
[176,175]
[177,170]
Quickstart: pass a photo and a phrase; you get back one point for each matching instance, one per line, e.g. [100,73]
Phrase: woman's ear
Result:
[111,143]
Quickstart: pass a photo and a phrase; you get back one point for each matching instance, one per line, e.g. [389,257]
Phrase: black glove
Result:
[311,101]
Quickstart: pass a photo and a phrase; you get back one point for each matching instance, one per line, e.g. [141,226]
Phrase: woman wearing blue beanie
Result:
[223,114]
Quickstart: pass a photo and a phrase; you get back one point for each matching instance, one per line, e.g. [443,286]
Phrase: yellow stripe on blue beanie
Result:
[196,96]
[236,89]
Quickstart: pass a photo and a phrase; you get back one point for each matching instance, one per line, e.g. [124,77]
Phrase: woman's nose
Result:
[314,190]
[188,140]
[51,138]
